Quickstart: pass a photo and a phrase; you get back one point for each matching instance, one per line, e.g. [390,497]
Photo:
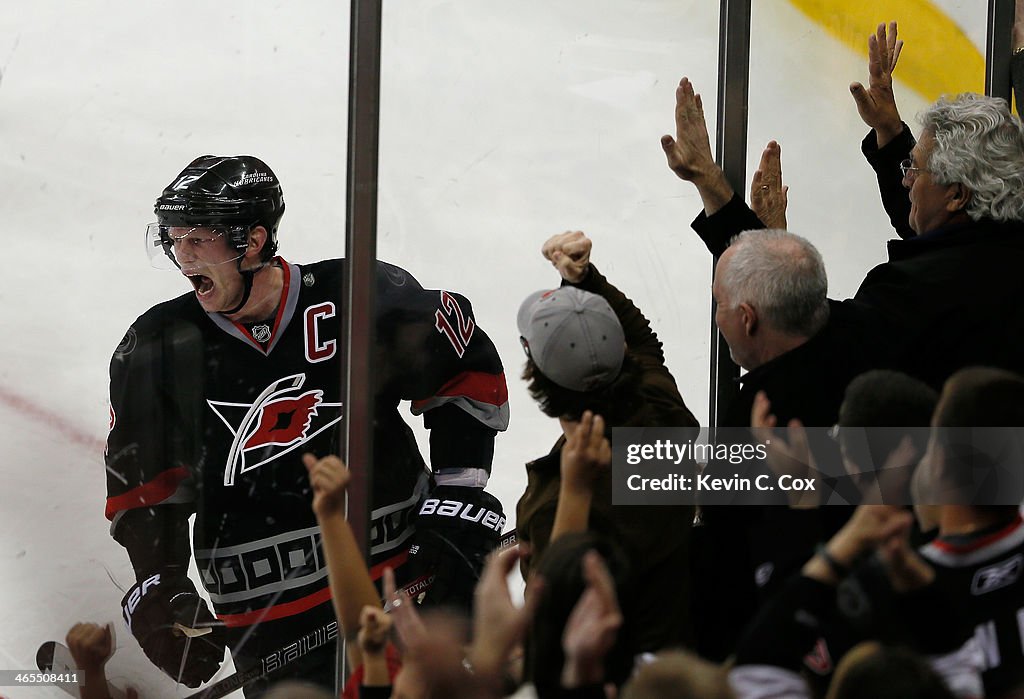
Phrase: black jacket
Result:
[947,299]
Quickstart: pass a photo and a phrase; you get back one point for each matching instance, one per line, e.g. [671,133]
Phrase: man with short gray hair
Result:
[771,290]
[772,309]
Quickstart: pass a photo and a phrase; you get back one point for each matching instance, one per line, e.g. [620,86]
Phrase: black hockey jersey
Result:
[212,417]
[983,575]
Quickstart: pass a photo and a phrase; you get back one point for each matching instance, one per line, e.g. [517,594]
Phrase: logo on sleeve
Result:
[281,419]
[127,345]
[997,576]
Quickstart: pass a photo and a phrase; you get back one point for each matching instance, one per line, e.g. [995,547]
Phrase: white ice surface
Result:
[502,123]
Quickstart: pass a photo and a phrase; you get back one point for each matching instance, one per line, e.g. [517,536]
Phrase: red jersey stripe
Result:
[278,611]
[152,493]
[476,385]
[981,542]
[393,562]
[298,606]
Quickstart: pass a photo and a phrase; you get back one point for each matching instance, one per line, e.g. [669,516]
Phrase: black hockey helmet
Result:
[237,192]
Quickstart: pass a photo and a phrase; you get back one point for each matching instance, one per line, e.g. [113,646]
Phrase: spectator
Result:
[590,349]
[957,199]
[296,689]
[770,287]
[592,628]
[678,675]
[972,477]
[873,671]
[586,576]
[772,649]
[882,433]
[777,319]
[499,626]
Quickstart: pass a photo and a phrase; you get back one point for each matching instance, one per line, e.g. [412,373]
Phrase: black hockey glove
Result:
[456,527]
[155,607]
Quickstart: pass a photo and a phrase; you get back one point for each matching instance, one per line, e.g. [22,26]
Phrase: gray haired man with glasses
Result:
[956,199]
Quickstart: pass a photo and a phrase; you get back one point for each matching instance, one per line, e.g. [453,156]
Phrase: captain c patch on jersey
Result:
[282,418]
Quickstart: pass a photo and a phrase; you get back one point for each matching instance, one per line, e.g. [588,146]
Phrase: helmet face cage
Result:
[160,241]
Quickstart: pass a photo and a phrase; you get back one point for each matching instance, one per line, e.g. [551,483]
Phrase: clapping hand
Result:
[791,458]
[592,626]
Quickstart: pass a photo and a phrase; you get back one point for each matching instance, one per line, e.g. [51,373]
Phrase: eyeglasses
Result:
[907,166]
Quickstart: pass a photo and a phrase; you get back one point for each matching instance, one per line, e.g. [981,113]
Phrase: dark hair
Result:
[562,572]
[615,402]
[978,422]
[896,673]
[883,399]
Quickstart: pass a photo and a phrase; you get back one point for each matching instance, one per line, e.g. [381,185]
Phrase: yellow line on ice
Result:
[938,57]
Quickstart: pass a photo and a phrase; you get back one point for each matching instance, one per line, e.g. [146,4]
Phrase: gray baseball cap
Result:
[573,336]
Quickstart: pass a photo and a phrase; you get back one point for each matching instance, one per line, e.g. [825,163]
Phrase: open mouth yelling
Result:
[203,284]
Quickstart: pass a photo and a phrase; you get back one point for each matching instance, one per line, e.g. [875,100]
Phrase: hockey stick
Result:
[53,656]
[272,662]
[277,660]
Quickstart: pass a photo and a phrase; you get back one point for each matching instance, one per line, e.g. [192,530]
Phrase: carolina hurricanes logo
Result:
[285,421]
[277,422]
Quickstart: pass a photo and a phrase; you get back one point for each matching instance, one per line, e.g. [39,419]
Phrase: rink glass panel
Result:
[803,56]
[503,125]
[500,126]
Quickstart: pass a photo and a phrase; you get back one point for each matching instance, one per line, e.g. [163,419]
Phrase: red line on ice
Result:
[58,423]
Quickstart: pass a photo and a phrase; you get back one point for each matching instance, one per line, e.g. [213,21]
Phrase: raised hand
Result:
[374,628]
[329,477]
[592,626]
[877,104]
[1018,25]
[793,457]
[907,571]
[768,197]
[689,153]
[498,625]
[871,527]
[91,645]
[586,454]
[569,252]
[409,627]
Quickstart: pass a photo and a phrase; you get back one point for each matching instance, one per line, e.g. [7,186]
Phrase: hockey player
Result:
[214,397]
